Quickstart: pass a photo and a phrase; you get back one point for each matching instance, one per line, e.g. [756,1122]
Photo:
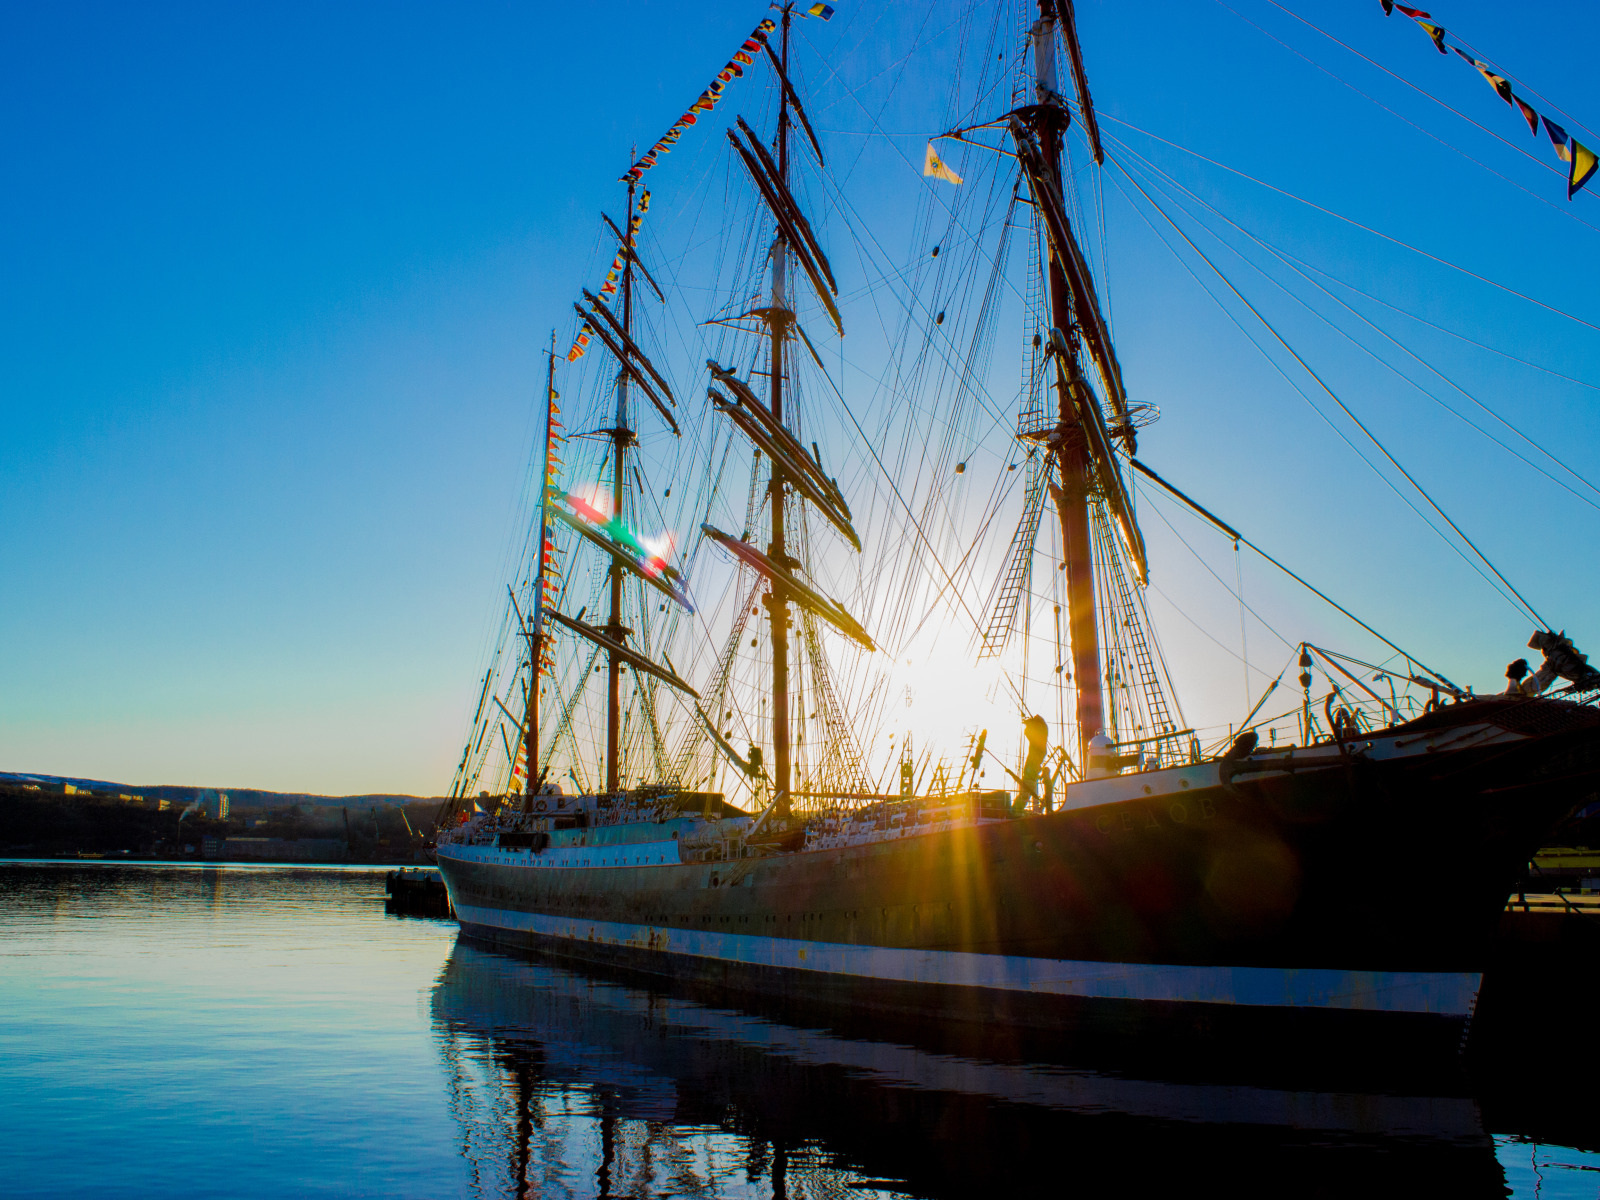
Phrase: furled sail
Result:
[781,190]
[1086,304]
[805,465]
[617,650]
[807,598]
[796,232]
[624,549]
[794,99]
[796,475]
[638,368]
[1102,457]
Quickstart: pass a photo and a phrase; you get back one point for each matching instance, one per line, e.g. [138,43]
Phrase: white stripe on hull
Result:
[1448,994]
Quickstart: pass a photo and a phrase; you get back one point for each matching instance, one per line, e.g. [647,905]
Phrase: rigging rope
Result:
[1305,366]
[1429,95]
[1339,433]
[1542,163]
[1297,266]
[1444,262]
[1237,536]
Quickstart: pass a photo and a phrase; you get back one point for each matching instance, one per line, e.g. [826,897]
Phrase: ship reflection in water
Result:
[570,1083]
[261,1031]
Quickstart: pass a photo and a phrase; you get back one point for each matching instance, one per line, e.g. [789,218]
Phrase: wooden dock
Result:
[1549,918]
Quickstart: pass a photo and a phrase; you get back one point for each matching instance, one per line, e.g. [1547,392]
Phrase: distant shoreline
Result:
[10,860]
[36,823]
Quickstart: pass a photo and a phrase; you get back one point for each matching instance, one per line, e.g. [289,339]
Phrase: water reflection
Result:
[565,1083]
[270,1031]
[174,1031]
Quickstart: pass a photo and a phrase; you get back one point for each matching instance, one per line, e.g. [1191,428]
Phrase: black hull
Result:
[1255,901]
[1332,1043]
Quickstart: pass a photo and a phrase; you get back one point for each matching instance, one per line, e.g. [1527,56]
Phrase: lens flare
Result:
[653,552]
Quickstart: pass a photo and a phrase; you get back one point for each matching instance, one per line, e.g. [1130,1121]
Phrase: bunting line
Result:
[743,57]
[1581,161]
[550,573]
[708,99]
[608,289]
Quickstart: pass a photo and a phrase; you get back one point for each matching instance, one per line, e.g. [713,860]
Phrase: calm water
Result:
[271,1032]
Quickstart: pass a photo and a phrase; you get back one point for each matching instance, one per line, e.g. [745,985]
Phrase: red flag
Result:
[1415,13]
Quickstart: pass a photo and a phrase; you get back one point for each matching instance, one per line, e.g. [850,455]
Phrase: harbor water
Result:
[272,1031]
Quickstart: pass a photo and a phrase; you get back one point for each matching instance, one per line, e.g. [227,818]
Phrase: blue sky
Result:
[277,279]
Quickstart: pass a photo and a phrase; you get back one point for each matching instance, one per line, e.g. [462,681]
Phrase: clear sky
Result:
[276,280]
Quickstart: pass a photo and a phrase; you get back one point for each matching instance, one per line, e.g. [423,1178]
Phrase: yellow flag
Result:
[934,165]
[1584,161]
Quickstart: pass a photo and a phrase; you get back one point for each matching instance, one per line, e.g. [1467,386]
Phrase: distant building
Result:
[211,804]
[69,790]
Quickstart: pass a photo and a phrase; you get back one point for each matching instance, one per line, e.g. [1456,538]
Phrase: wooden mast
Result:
[621,437]
[530,727]
[1071,445]
[779,318]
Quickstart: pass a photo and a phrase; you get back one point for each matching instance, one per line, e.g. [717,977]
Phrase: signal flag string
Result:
[1581,161]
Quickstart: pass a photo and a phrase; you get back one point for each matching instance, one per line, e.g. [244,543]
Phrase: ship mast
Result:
[779,318]
[621,438]
[535,627]
[1071,445]
[796,472]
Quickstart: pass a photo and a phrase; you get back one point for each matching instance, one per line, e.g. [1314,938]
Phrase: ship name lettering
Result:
[1208,807]
[1179,812]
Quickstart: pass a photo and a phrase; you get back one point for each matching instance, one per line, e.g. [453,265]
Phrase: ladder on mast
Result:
[1131,623]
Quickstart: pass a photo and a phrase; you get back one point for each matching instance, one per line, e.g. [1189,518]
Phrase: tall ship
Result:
[724,825]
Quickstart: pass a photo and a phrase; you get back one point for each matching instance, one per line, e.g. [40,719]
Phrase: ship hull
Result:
[1323,1016]
[1272,895]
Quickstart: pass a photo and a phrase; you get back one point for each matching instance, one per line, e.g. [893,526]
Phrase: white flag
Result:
[934,165]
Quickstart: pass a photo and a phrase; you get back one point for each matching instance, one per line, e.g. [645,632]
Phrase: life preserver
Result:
[541,806]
